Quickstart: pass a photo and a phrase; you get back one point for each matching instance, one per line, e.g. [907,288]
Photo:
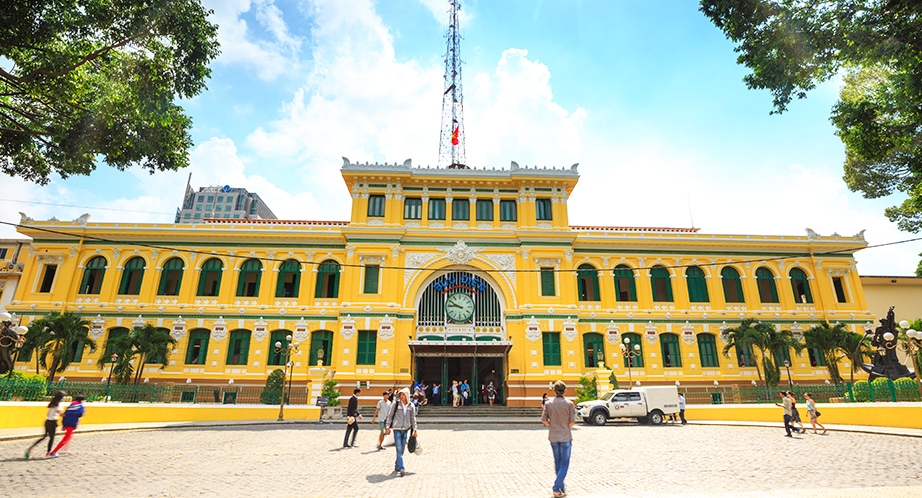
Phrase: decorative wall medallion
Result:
[460,253]
[260,330]
[650,332]
[569,329]
[348,328]
[139,322]
[613,333]
[724,336]
[179,328]
[96,328]
[532,330]
[386,329]
[219,331]
[688,333]
[300,333]
[415,261]
[797,332]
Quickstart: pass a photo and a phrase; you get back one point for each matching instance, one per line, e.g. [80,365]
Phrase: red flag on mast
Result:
[454,136]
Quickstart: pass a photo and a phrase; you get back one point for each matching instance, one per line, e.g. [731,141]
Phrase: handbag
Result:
[412,444]
[350,420]
[817,413]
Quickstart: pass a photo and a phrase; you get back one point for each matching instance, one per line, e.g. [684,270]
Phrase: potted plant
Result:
[332,410]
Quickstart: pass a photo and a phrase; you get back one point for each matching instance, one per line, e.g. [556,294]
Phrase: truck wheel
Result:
[599,417]
[656,417]
[643,420]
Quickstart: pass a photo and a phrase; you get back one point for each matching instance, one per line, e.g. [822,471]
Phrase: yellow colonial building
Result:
[440,274]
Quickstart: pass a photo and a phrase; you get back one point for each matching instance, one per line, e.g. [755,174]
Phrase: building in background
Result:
[903,293]
[444,274]
[221,203]
[11,267]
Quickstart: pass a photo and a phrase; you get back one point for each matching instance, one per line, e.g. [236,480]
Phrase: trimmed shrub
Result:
[860,389]
[23,386]
[907,389]
[272,393]
[588,392]
[331,392]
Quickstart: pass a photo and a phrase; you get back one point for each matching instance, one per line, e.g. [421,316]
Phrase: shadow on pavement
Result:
[379,478]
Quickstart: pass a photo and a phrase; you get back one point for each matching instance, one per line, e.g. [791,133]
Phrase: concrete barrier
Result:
[898,415]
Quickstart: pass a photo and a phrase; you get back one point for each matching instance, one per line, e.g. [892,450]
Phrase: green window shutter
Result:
[636,361]
[371,280]
[625,288]
[335,284]
[484,210]
[543,211]
[547,282]
[245,350]
[318,291]
[672,356]
[733,288]
[800,286]
[697,285]
[367,347]
[588,283]
[413,209]
[277,358]
[437,209]
[376,206]
[592,345]
[508,211]
[551,348]
[460,210]
[707,351]
[765,279]
[662,286]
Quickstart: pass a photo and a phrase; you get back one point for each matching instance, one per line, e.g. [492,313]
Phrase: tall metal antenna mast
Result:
[451,143]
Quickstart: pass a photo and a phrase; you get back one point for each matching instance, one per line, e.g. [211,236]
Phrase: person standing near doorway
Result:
[401,420]
[559,416]
[455,393]
[352,418]
[786,404]
[491,392]
[382,409]
[436,398]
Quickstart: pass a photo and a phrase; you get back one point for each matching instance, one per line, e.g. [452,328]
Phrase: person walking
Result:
[682,408]
[71,419]
[401,420]
[813,412]
[352,419]
[51,422]
[786,404]
[382,409]
[559,416]
[795,415]
[491,392]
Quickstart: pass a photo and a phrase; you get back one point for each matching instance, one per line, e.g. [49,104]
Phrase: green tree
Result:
[331,392]
[36,337]
[741,339]
[63,332]
[830,340]
[272,392]
[88,81]
[588,391]
[135,350]
[791,45]
[911,346]
[851,344]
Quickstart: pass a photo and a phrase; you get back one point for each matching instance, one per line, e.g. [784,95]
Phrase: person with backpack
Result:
[71,419]
[402,420]
[51,422]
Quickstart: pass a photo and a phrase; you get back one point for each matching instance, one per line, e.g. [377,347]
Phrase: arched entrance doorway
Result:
[460,335]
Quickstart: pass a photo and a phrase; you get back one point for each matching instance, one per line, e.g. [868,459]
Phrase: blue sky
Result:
[646,95]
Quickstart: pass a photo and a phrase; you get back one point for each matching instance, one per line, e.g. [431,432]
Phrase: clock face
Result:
[459,307]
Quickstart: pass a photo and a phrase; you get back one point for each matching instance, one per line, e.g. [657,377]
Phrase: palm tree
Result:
[742,338]
[64,330]
[141,343]
[851,343]
[829,340]
[768,340]
[36,337]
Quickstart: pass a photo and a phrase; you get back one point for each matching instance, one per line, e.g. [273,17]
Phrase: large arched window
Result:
[745,356]
[289,279]
[662,287]
[672,355]
[625,290]
[114,334]
[277,355]
[132,276]
[92,276]
[635,359]
[321,347]
[593,349]
[327,279]
[209,282]
[170,277]
[707,351]
[697,285]
[197,349]
[250,274]
[733,288]
[801,286]
[587,281]
[238,347]
[765,279]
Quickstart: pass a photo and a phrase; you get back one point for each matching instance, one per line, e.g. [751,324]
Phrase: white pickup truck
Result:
[646,404]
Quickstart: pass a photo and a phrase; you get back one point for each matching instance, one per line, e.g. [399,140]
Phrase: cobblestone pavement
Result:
[468,460]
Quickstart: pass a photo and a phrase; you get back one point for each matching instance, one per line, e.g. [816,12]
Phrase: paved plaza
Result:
[464,460]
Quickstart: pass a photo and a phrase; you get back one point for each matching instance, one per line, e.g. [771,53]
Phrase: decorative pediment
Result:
[569,329]
[688,333]
[386,328]
[797,332]
[724,336]
[300,333]
[260,330]
[97,327]
[460,253]
[219,331]
[179,328]
[139,322]
[347,328]
[532,330]
[613,333]
[650,332]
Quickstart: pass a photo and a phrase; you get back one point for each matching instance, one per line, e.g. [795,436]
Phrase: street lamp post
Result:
[787,366]
[629,354]
[286,351]
[112,361]
[914,343]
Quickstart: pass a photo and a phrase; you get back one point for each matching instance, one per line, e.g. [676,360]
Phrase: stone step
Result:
[467,411]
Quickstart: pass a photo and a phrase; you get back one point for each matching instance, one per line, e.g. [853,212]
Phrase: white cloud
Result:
[239,45]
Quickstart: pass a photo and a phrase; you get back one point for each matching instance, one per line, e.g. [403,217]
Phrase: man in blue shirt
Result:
[682,408]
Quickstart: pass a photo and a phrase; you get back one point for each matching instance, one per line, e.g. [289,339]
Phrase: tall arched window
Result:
[707,351]
[250,274]
[697,285]
[801,286]
[93,275]
[672,355]
[625,290]
[593,349]
[170,277]
[209,282]
[114,334]
[635,360]
[768,293]
[132,276]
[321,347]
[662,287]
[327,279]
[197,349]
[277,356]
[733,288]
[238,347]
[587,281]
[289,279]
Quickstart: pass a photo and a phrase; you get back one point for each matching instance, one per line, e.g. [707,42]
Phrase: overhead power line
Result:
[84,207]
